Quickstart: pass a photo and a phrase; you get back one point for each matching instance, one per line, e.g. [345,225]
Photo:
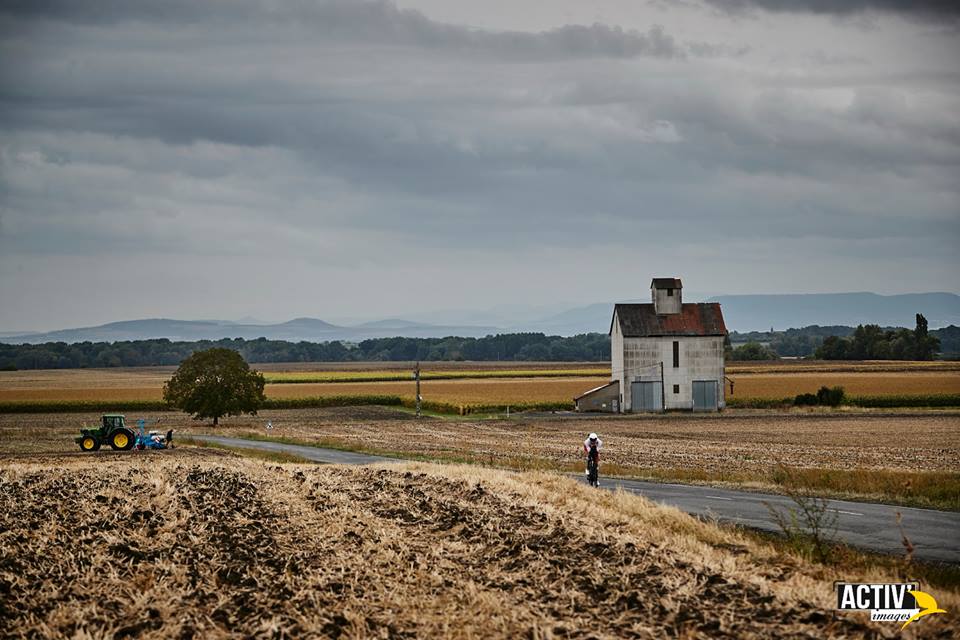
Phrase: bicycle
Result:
[593,467]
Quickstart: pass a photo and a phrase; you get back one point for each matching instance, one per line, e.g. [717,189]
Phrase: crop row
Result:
[92,406]
[930,400]
[314,377]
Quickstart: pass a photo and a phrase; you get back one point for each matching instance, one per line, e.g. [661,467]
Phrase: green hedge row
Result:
[874,402]
[925,400]
[103,406]
[86,406]
[759,403]
[332,401]
[467,409]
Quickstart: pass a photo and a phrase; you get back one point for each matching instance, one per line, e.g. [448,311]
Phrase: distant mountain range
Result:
[306,329]
[741,312]
[761,312]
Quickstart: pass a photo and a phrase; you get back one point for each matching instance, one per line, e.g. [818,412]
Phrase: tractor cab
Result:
[111,421]
[112,430]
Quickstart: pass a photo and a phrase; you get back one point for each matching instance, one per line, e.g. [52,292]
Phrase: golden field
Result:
[751,380]
[394,375]
[867,383]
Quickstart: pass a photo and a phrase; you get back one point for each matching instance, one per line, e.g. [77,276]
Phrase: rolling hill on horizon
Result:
[296,330]
[742,313]
[760,312]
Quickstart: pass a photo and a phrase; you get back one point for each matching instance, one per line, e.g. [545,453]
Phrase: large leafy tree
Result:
[215,383]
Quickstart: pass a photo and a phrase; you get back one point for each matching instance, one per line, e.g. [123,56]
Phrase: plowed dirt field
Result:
[212,546]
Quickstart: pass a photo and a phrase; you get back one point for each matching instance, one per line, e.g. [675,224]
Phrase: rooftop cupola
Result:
[667,295]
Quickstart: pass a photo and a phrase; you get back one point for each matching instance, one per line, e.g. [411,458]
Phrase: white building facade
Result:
[667,354]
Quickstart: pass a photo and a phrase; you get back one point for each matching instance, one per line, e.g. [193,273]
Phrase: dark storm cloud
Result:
[379,22]
[923,9]
[351,135]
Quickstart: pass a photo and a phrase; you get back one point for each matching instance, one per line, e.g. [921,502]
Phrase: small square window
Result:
[676,388]
[670,292]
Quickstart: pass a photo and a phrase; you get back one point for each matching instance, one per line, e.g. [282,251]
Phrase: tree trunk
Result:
[216,419]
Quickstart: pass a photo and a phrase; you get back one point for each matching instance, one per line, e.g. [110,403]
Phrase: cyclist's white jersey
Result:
[586,445]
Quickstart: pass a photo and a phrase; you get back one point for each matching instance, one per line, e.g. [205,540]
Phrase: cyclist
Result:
[592,446]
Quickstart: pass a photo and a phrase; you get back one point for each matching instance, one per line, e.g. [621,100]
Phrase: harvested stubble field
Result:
[753,443]
[909,459]
[203,544]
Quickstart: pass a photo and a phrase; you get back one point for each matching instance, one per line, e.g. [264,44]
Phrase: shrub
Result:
[825,396]
[831,397]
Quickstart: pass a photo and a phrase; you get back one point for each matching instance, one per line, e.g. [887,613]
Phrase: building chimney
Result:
[667,295]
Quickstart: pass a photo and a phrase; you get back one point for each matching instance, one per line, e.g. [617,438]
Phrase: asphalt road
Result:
[934,534]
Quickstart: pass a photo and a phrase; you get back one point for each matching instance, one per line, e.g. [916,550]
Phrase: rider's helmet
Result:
[593,436]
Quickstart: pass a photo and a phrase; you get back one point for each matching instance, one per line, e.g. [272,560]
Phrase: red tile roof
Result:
[694,319]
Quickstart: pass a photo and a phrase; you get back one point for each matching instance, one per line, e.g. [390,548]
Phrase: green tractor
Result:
[112,430]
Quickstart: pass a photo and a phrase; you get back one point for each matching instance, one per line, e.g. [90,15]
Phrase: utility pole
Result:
[416,376]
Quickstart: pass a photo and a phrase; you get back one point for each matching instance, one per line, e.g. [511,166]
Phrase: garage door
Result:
[646,396]
[704,395]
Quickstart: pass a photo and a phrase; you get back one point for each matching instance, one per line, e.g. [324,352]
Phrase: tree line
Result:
[842,344]
[140,353]
[830,343]
[871,342]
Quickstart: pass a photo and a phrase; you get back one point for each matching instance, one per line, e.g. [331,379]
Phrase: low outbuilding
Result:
[605,398]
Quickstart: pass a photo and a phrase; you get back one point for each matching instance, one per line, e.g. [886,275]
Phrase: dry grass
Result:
[220,547]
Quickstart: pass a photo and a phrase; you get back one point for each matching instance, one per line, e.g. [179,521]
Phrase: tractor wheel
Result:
[89,443]
[122,439]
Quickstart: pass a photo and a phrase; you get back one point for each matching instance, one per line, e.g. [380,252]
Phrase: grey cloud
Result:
[380,137]
[923,9]
[376,21]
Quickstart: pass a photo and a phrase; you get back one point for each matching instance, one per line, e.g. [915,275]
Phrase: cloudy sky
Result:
[349,158]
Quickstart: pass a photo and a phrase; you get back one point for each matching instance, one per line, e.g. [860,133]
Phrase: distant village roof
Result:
[666,283]
[694,319]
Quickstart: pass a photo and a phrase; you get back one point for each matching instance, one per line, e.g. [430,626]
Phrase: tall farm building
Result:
[664,355]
